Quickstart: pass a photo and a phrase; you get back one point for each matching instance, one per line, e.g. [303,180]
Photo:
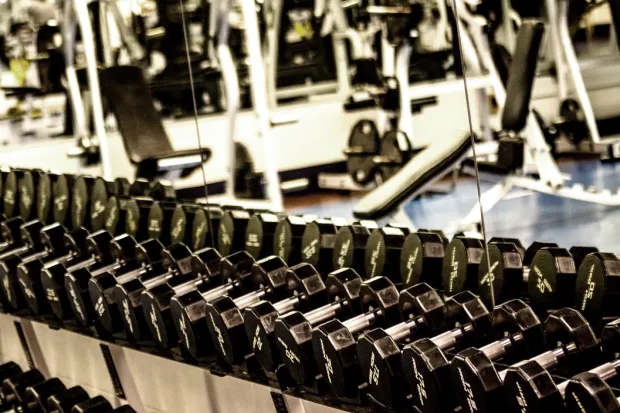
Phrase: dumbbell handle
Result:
[450,339]
[82,264]
[219,291]
[401,331]
[361,322]
[16,251]
[604,371]
[499,348]
[324,313]
[250,298]
[288,304]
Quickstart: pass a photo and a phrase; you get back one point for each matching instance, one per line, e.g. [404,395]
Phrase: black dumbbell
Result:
[7,370]
[529,386]
[28,186]
[49,195]
[306,289]
[13,390]
[383,251]
[60,247]
[231,232]
[479,384]
[101,191]
[259,234]
[206,225]
[156,300]
[36,396]
[379,350]
[335,342]
[64,401]
[101,286]
[317,245]
[350,246]
[596,292]
[189,311]
[175,263]
[288,237]
[273,281]
[182,223]
[421,258]
[425,361]
[160,221]
[62,187]
[460,265]
[128,215]
[41,242]
[121,257]
[588,392]
[293,331]
[10,233]
[11,193]
[510,271]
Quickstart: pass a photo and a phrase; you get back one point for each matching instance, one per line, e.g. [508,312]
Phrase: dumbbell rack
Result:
[147,381]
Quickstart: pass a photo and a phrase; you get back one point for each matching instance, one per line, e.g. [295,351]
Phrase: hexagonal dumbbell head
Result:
[505,278]
[148,252]
[287,239]
[551,280]
[422,258]
[307,290]
[64,401]
[383,252]
[529,384]
[123,248]
[29,234]
[10,230]
[568,325]
[29,279]
[238,266]
[177,259]
[53,282]
[597,289]
[76,285]
[345,285]
[587,392]
[317,247]
[14,388]
[465,308]
[231,232]
[334,342]
[98,244]
[460,265]
[52,238]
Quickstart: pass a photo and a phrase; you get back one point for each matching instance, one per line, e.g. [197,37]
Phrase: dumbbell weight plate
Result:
[395,145]
[100,194]
[61,190]
[11,195]
[364,136]
[44,198]
[28,191]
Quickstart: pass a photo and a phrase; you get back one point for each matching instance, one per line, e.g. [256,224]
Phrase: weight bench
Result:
[146,142]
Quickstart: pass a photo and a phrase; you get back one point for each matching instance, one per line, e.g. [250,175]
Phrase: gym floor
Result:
[527,216]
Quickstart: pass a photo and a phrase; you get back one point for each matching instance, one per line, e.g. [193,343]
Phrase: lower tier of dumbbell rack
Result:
[150,382]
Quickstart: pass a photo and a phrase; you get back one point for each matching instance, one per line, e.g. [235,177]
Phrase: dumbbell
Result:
[588,392]
[13,390]
[36,396]
[90,197]
[95,248]
[182,223]
[53,196]
[41,242]
[596,292]
[61,247]
[10,233]
[379,350]
[259,234]
[156,300]
[317,244]
[461,264]
[301,285]
[101,286]
[97,404]
[189,310]
[350,246]
[383,251]
[231,232]
[11,193]
[479,384]
[63,402]
[288,237]
[421,258]
[160,221]
[307,291]
[293,331]
[7,370]
[549,276]
[121,257]
[425,361]
[128,215]
[530,388]
[175,263]
[160,190]
[206,225]
[335,342]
